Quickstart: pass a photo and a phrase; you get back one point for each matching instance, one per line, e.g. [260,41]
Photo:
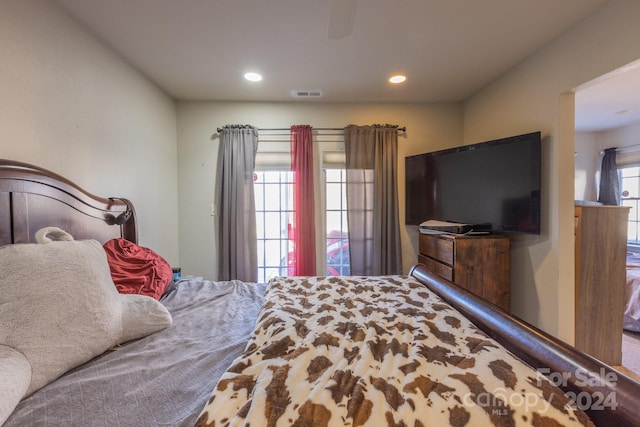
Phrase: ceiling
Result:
[610,101]
[449,49]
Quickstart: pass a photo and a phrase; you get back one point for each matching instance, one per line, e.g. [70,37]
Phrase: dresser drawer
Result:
[479,264]
[437,248]
[437,268]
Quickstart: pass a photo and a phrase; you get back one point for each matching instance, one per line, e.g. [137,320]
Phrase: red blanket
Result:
[136,269]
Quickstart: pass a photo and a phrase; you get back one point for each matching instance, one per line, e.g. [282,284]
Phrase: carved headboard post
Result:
[128,229]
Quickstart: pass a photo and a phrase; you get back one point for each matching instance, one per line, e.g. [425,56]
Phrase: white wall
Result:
[429,127]
[621,137]
[69,104]
[587,165]
[537,95]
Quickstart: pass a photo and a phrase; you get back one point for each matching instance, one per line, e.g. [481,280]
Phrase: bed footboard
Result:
[608,396]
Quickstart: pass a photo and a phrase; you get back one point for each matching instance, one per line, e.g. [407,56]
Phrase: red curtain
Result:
[303,233]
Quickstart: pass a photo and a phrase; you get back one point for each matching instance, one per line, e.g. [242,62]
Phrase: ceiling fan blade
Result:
[342,14]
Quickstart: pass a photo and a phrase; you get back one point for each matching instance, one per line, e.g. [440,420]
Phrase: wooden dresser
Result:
[600,274]
[479,264]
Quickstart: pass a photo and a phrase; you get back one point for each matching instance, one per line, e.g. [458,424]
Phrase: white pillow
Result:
[141,315]
[59,308]
[15,372]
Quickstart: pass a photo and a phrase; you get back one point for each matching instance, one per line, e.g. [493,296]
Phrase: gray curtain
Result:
[372,199]
[609,193]
[237,248]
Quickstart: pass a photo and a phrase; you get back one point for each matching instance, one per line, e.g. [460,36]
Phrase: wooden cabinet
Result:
[600,274]
[479,264]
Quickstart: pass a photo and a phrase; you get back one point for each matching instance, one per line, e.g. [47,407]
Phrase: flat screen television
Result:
[494,183]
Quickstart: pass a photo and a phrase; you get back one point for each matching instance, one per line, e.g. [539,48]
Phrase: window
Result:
[274,204]
[630,187]
[337,235]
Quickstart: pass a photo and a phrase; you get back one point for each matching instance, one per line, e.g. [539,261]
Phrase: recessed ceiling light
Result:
[253,77]
[398,78]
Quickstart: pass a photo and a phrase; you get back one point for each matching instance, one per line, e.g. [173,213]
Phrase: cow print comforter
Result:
[381,351]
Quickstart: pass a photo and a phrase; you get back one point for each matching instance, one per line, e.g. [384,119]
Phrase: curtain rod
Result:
[627,147]
[400,129]
[634,147]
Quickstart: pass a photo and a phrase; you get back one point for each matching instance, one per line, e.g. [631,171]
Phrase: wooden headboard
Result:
[32,197]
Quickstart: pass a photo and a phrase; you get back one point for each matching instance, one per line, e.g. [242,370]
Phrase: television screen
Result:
[494,182]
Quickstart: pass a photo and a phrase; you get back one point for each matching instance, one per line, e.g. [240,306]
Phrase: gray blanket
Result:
[164,379]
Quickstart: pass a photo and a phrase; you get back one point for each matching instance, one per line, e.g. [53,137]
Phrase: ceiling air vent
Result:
[306,93]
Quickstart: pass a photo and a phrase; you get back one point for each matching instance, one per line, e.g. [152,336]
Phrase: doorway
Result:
[607,114]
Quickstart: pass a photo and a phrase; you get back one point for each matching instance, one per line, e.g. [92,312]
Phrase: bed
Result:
[632,294]
[161,379]
[303,351]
